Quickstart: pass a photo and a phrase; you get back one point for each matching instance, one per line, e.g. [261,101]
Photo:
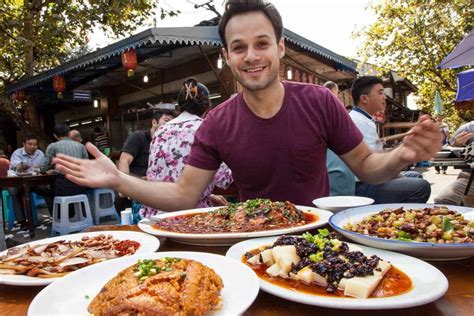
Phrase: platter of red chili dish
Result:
[235,222]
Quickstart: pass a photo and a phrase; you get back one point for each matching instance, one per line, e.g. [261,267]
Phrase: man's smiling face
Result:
[253,53]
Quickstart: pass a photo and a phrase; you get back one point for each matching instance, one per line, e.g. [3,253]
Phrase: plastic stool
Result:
[102,204]
[62,223]
[7,204]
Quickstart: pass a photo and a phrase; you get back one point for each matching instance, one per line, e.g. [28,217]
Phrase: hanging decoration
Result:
[59,85]
[20,96]
[129,61]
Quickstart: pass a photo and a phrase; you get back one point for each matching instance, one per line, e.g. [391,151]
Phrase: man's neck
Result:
[265,103]
[361,106]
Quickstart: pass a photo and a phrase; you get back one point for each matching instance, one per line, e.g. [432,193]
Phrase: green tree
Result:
[412,37]
[37,35]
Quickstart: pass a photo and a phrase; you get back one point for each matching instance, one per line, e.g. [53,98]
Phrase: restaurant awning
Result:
[149,43]
[462,54]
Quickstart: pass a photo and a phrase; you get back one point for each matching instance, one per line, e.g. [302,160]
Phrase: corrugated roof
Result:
[199,35]
[342,62]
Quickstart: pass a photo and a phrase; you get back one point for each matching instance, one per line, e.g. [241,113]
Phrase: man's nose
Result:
[252,55]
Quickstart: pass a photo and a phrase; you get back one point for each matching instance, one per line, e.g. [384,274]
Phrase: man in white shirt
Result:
[369,98]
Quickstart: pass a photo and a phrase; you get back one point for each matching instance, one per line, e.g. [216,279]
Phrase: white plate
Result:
[148,244]
[226,239]
[429,284]
[337,203]
[425,250]
[69,293]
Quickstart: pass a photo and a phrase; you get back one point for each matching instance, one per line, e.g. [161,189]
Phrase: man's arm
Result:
[102,173]
[48,157]
[423,142]
[124,162]
[15,160]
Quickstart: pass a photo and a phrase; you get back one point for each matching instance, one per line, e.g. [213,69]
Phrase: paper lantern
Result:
[59,85]
[129,61]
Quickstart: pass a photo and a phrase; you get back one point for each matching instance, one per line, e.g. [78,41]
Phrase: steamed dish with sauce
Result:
[322,265]
[166,286]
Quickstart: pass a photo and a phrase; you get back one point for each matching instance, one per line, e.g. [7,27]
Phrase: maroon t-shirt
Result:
[281,158]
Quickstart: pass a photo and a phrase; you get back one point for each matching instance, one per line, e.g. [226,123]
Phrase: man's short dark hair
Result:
[235,7]
[363,85]
[330,85]
[97,129]
[61,129]
[30,136]
[158,114]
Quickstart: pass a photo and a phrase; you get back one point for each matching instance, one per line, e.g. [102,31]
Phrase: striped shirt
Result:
[64,146]
[101,142]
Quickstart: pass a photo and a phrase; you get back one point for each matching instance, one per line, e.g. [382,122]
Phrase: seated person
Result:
[66,146]
[453,194]
[172,143]
[24,159]
[134,156]
[341,178]
[369,98]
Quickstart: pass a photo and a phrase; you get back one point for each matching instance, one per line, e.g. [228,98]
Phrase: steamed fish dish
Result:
[250,216]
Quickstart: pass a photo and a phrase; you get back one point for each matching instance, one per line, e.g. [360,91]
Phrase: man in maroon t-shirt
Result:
[273,135]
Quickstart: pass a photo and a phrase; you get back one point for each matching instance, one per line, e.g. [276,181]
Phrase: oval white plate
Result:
[425,250]
[226,239]
[337,203]
[70,293]
[148,244]
[429,284]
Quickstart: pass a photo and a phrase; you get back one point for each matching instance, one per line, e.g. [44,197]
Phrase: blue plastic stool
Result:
[7,203]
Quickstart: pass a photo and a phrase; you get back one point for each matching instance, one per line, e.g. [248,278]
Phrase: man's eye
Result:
[261,44]
[238,48]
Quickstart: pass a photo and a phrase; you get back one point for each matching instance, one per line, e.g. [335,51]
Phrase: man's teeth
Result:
[254,70]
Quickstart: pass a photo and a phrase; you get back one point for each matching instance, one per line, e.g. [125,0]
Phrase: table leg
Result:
[29,211]
[469,183]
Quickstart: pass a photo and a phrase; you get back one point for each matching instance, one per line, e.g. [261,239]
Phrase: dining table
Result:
[26,182]
[458,300]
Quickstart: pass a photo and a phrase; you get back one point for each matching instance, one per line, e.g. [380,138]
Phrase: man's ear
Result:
[281,47]
[226,56]
[154,122]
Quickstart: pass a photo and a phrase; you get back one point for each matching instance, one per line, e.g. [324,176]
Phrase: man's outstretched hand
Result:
[422,142]
[100,172]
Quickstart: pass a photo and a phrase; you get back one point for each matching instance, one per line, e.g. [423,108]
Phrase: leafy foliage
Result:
[37,35]
[412,37]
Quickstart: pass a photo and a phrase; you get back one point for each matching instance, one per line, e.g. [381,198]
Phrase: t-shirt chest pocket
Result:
[306,162]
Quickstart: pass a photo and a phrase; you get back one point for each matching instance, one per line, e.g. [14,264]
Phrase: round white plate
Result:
[337,203]
[226,239]
[429,284]
[148,244]
[425,250]
[73,293]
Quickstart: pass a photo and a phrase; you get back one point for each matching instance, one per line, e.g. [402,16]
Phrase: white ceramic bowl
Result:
[337,203]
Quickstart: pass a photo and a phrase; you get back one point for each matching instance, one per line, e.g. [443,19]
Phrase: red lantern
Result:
[20,95]
[129,61]
[59,85]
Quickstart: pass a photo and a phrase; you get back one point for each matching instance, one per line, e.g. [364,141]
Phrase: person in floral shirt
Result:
[172,142]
